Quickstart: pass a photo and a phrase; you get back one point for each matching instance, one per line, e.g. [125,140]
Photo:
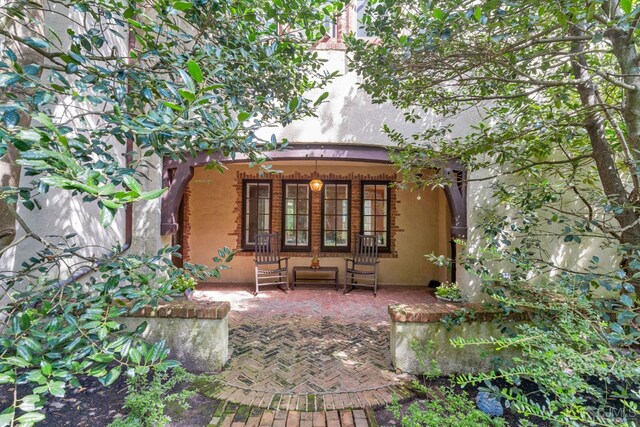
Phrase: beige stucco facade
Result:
[421,219]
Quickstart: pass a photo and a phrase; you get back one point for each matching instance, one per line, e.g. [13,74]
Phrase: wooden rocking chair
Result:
[362,268]
[271,269]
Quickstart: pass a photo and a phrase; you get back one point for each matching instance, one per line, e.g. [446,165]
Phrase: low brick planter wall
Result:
[422,322]
[197,332]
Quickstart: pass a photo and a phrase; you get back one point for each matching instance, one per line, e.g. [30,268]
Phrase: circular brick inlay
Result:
[333,357]
[308,364]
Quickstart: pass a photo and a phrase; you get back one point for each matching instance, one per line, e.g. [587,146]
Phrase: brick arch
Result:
[177,174]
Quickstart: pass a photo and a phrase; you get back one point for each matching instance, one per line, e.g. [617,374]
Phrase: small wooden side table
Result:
[320,271]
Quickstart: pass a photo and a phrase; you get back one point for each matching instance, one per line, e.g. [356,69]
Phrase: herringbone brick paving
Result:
[311,357]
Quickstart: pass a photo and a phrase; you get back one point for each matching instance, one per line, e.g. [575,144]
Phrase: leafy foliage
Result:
[89,110]
[442,406]
[449,290]
[57,333]
[451,410]
[147,399]
[200,76]
[182,283]
[552,177]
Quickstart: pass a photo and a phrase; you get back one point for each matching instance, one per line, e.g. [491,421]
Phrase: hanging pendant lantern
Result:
[316,183]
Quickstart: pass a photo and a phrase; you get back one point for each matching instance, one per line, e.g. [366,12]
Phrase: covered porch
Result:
[205,210]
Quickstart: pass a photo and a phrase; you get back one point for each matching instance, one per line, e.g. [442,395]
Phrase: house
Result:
[344,147]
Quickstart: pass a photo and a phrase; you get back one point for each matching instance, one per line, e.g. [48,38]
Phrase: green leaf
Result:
[56,388]
[189,96]
[477,13]
[438,13]
[16,361]
[182,5]
[111,377]
[173,106]
[30,403]
[30,418]
[132,183]
[46,367]
[29,135]
[153,194]
[242,116]
[5,419]
[194,70]
[626,300]
[321,98]
[111,204]
[625,5]
[293,103]
[6,379]
[107,216]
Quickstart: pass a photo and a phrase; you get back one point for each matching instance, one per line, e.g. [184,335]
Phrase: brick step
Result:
[232,415]
[306,402]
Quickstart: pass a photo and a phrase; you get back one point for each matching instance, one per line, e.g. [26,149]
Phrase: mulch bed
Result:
[386,418]
[92,405]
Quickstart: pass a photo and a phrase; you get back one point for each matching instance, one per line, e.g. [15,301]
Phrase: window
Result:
[335,216]
[375,211]
[297,216]
[361,6]
[256,210]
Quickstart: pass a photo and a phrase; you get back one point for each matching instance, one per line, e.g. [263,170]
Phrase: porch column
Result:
[176,179]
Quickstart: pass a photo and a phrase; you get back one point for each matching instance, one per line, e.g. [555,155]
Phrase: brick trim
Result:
[433,313]
[316,210]
[186,233]
[186,310]
[343,26]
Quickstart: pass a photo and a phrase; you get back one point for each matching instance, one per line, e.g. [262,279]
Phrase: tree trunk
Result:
[612,183]
[31,26]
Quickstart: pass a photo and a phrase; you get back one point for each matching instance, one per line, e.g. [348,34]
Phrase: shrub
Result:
[182,283]
[147,398]
[450,409]
[449,290]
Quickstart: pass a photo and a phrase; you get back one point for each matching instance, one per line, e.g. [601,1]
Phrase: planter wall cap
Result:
[188,309]
[434,312]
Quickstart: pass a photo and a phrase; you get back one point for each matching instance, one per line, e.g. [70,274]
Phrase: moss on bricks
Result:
[242,414]
[311,402]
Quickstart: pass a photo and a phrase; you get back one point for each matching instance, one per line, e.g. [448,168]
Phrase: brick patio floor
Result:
[310,357]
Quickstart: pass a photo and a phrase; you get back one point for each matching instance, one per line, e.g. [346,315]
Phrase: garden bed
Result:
[384,417]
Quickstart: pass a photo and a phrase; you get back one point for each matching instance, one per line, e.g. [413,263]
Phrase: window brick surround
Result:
[186,247]
[316,210]
[343,26]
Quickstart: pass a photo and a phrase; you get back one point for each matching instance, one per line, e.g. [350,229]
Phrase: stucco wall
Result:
[213,219]
[348,116]
[201,345]
[61,212]
[450,360]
